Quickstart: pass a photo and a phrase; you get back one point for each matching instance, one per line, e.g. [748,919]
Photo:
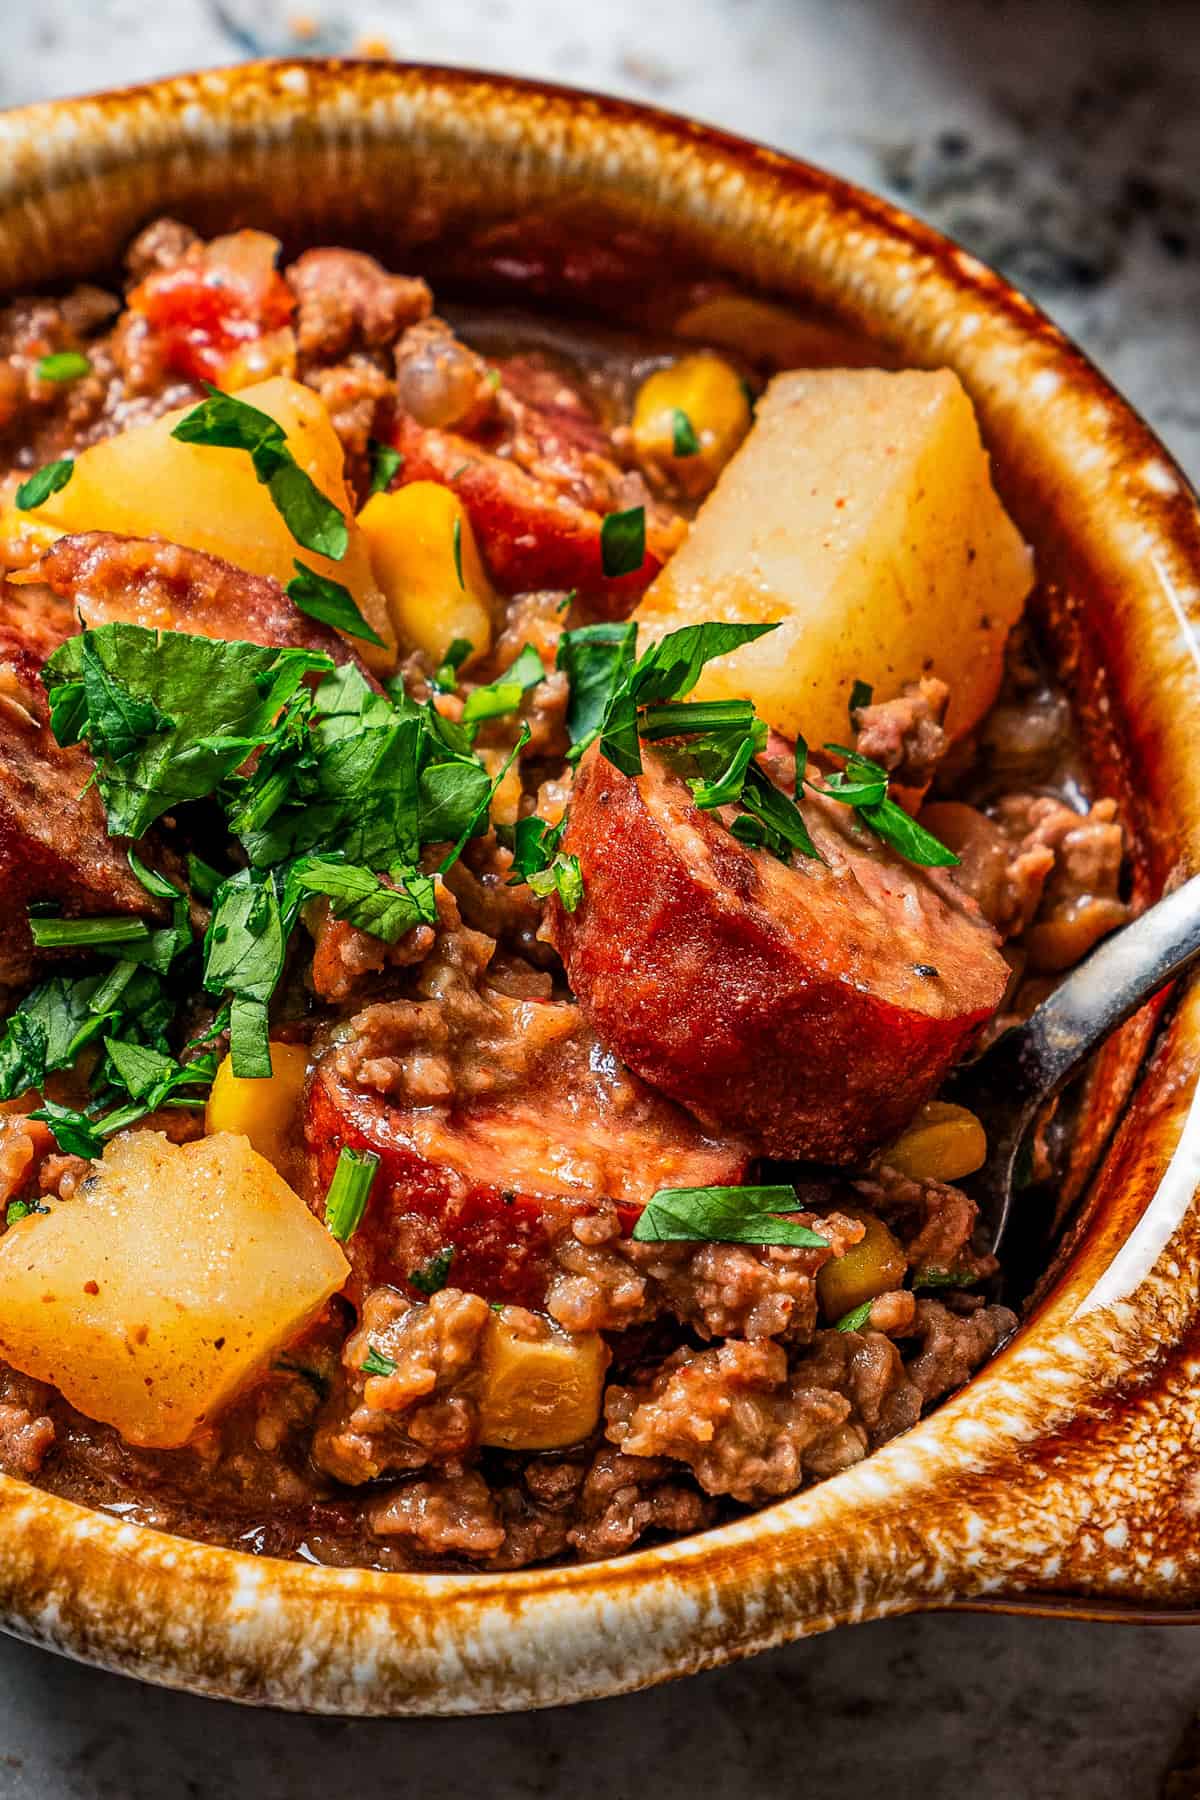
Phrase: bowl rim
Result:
[78,1580]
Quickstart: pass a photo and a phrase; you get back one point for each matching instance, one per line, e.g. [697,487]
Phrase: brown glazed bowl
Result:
[1067,1474]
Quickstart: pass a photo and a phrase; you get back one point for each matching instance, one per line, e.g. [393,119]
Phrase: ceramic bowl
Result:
[1066,1473]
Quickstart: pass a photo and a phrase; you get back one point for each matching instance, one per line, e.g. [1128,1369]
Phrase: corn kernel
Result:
[874,1265]
[690,418]
[943,1143]
[266,1111]
[420,537]
[541,1387]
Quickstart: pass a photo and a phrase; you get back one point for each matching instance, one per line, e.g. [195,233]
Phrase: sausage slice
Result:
[813,1006]
[500,1178]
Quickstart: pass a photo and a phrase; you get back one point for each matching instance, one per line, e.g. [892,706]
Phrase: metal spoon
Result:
[1009,1084]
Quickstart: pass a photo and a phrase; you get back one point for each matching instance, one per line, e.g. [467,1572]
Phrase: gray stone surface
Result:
[1060,142]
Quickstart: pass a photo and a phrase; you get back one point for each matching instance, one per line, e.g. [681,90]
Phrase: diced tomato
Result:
[530,536]
[208,307]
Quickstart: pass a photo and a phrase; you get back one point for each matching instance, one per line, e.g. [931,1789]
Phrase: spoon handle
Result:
[1108,987]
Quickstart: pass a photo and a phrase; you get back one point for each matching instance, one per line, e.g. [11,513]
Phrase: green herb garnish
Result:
[231,424]
[456,540]
[725,1215]
[856,1318]
[329,602]
[623,542]
[445,677]
[64,365]
[376,1363]
[861,694]
[91,934]
[505,694]
[684,441]
[349,1191]
[50,479]
[386,464]
[431,1276]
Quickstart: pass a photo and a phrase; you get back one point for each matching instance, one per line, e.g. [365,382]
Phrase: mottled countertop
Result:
[1061,142]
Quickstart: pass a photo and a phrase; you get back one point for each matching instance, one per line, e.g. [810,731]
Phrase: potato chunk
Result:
[174,1276]
[860,515]
[144,483]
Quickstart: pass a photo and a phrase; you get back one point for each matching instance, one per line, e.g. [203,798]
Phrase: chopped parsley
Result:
[725,1215]
[349,1191]
[386,464]
[329,602]
[856,1318]
[64,365]
[861,694]
[376,1363]
[945,1278]
[621,699]
[623,542]
[505,694]
[50,479]
[431,1276]
[445,676]
[684,441]
[228,423]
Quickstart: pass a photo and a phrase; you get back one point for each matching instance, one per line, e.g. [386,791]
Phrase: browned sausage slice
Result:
[500,1178]
[813,1006]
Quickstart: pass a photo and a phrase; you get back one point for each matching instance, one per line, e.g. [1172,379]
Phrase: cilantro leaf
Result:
[50,479]
[329,602]
[360,897]
[228,423]
[596,660]
[243,957]
[623,542]
[725,1215]
[22,1054]
[861,694]
[445,676]
[74,1132]
[910,840]
[684,441]
[223,697]
[505,694]
[386,464]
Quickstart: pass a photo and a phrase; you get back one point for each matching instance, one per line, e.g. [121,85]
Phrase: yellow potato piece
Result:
[860,516]
[144,482]
[266,1111]
[943,1143]
[540,1386]
[875,1265]
[174,1275]
[706,393]
[412,535]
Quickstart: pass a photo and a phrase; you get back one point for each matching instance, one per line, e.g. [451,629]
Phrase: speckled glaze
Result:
[1067,1473]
